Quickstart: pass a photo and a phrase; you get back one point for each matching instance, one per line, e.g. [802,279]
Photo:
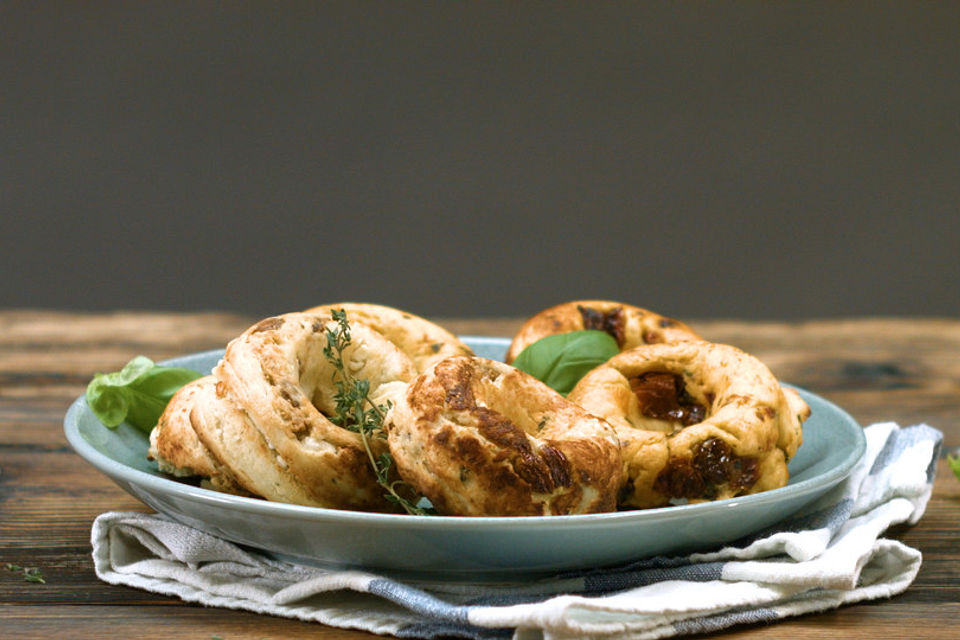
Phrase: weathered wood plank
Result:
[94,622]
[156,621]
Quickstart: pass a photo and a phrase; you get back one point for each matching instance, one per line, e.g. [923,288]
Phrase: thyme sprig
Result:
[354,410]
[30,574]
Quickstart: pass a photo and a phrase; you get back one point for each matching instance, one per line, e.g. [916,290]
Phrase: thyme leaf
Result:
[354,410]
[30,574]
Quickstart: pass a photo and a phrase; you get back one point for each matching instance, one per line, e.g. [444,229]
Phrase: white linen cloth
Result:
[829,555]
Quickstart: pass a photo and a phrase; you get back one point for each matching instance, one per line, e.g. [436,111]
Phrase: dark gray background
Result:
[759,160]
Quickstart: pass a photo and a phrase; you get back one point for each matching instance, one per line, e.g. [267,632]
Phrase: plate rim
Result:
[167,486]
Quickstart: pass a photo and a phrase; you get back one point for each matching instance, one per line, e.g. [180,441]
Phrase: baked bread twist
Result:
[258,425]
[480,438]
[696,421]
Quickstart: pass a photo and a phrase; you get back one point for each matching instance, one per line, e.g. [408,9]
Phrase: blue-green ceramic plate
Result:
[467,548]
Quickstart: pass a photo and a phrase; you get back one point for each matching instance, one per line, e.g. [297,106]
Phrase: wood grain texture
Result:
[905,370]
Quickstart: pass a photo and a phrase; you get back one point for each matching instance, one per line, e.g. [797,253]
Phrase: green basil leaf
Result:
[137,394]
[144,410]
[954,462]
[163,382]
[130,372]
[560,360]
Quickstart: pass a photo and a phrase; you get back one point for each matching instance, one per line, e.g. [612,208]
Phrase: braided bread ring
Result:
[423,341]
[696,421]
[631,326]
[277,374]
[480,438]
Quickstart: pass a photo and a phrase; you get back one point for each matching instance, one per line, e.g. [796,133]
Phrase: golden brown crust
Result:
[178,450]
[696,421]
[480,438]
[631,326]
[421,340]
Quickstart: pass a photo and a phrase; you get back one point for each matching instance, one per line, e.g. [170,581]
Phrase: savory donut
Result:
[277,375]
[696,421]
[480,438]
[631,326]
[423,341]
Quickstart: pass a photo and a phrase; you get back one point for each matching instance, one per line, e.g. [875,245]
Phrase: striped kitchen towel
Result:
[831,554]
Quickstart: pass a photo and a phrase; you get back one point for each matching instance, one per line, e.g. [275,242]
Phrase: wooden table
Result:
[878,369]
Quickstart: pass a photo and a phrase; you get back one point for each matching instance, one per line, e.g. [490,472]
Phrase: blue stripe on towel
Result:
[725,620]
[902,439]
[418,601]
[937,437]
[640,576]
